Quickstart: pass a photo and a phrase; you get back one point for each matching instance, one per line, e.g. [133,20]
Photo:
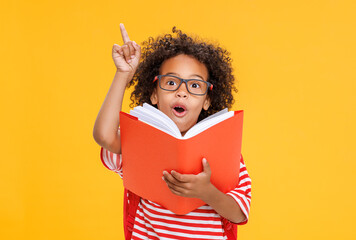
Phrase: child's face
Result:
[185,67]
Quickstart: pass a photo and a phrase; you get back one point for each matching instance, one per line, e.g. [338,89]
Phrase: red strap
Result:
[131,202]
[230,229]
[126,231]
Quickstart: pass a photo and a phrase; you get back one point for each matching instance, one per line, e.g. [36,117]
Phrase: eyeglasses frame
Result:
[182,80]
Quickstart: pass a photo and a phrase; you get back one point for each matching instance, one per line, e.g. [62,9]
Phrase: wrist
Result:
[209,194]
[123,73]
[123,77]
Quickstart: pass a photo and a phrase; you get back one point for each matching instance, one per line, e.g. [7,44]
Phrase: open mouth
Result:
[179,109]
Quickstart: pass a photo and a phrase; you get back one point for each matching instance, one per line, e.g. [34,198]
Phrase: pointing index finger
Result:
[125,36]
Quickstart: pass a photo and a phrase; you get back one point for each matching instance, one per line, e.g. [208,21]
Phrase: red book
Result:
[147,151]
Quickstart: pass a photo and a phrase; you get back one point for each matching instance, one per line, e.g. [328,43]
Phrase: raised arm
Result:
[126,59]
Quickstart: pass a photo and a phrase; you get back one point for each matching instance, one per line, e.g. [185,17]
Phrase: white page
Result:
[213,116]
[161,115]
[158,123]
[198,128]
[147,115]
[156,118]
[163,130]
[142,116]
[157,111]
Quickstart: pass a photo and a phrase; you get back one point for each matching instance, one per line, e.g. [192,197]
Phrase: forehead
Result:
[184,66]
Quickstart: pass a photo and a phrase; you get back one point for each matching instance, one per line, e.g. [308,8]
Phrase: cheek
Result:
[200,105]
[163,103]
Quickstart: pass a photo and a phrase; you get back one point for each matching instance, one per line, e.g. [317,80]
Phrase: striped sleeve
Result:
[242,193]
[111,161]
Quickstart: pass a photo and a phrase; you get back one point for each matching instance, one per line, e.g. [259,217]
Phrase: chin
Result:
[183,129]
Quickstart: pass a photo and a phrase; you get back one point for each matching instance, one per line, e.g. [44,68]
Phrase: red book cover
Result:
[147,151]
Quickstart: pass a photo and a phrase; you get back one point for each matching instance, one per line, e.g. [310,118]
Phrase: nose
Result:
[182,91]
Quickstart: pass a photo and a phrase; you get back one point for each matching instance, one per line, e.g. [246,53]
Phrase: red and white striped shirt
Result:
[153,221]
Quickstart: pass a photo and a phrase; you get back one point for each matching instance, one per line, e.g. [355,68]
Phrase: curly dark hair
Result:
[215,58]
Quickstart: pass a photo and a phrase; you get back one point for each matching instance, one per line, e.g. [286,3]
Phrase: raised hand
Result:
[127,56]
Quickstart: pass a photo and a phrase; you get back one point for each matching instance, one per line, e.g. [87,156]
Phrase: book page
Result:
[203,125]
[214,115]
[161,129]
[156,118]
[151,120]
[169,122]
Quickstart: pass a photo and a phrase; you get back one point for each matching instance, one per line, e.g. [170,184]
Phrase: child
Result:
[161,80]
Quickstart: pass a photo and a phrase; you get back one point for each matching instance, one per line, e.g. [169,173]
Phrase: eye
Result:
[195,85]
[171,82]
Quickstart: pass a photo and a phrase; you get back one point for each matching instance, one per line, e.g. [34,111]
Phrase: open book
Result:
[152,143]
[154,117]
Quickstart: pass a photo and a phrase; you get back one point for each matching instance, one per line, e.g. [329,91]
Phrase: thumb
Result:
[206,166]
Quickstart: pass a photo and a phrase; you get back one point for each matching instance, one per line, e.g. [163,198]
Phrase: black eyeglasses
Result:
[194,86]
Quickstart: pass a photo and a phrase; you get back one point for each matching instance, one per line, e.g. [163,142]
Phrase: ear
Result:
[154,97]
[206,104]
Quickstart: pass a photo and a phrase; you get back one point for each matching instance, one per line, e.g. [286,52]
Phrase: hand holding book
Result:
[189,185]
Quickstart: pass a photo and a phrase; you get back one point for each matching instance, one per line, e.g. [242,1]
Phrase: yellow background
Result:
[295,65]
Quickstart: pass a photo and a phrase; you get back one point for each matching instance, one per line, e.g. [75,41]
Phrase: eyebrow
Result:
[173,73]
